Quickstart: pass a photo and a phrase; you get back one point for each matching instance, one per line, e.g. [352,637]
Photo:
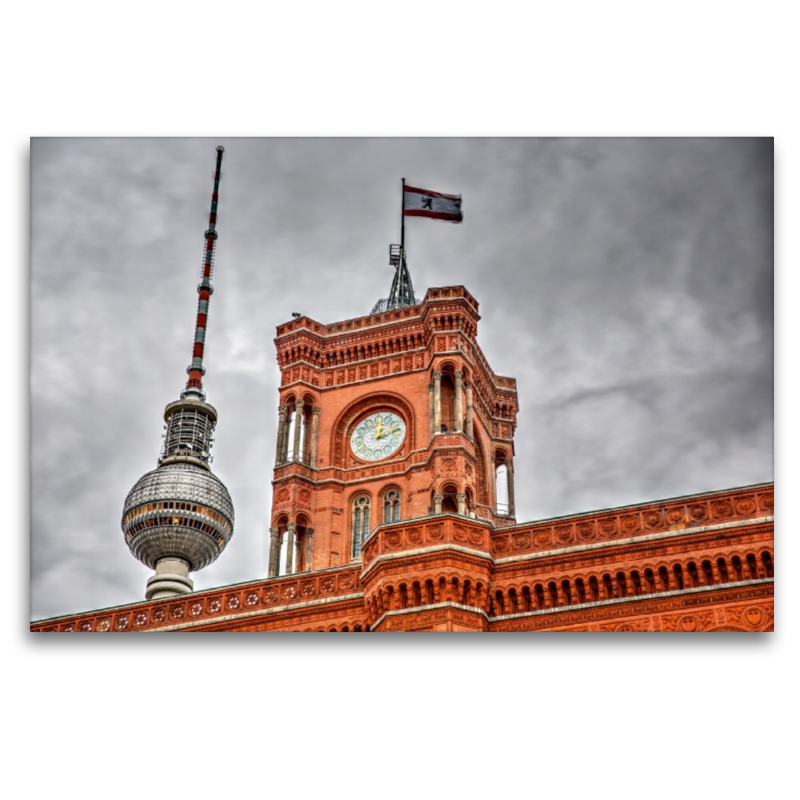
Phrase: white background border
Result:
[661,716]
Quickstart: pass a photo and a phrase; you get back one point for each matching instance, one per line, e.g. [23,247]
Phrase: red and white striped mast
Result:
[194,385]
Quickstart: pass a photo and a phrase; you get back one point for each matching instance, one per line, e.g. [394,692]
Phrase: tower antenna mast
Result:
[196,370]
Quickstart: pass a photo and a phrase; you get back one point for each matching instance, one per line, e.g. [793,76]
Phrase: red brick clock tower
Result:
[382,418]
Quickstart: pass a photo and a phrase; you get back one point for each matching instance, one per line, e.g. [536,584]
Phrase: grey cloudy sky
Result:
[625,283]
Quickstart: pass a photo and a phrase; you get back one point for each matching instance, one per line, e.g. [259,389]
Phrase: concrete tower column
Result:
[290,529]
[462,503]
[314,435]
[469,431]
[171,579]
[274,553]
[298,429]
[459,405]
[437,401]
[280,449]
[510,482]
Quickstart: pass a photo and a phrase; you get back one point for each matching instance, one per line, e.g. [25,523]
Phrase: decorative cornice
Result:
[261,612]
[633,540]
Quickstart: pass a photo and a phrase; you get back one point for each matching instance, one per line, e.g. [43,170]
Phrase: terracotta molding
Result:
[634,540]
[447,604]
[294,607]
[667,501]
[457,548]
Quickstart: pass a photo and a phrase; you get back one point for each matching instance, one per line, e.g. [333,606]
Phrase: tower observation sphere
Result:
[179,517]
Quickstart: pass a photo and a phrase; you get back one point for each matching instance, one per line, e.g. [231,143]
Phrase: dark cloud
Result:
[625,283]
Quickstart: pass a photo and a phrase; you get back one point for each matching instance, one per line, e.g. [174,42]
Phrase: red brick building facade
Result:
[393,509]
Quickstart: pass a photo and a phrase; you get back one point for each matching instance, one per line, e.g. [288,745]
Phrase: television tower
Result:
[179,517]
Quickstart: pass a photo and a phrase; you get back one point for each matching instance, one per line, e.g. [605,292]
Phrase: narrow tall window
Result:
[291,421]
[501,488]
[391,506]
[360,523]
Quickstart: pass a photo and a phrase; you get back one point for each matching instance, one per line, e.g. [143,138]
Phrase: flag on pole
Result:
[422,203]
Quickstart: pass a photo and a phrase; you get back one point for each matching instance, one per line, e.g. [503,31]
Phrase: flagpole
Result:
[403,220]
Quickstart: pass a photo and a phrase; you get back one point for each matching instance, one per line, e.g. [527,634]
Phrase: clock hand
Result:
[378,431]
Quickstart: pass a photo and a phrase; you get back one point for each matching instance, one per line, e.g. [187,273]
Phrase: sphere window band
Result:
[378,436]
[140,521]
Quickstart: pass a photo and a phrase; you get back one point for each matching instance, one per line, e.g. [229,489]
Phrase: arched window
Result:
[553,592]
[677,571]
[448,401]
[391,506]
[501,481]
[450,499]
[360,523]
[751,566]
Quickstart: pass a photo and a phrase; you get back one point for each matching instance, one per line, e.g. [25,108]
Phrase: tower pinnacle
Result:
[179,517]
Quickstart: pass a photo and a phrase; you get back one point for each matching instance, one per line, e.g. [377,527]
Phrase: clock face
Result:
[378,436]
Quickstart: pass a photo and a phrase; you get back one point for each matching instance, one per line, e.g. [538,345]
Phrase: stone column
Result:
[437,401]
[458,404]
[280,449]
[290,529]
[437,504]
[431,407]
[299,566]
[469,431]
[314,435]
[510,482]
[309,549]
[462,503]
[298,429]
[274,553]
